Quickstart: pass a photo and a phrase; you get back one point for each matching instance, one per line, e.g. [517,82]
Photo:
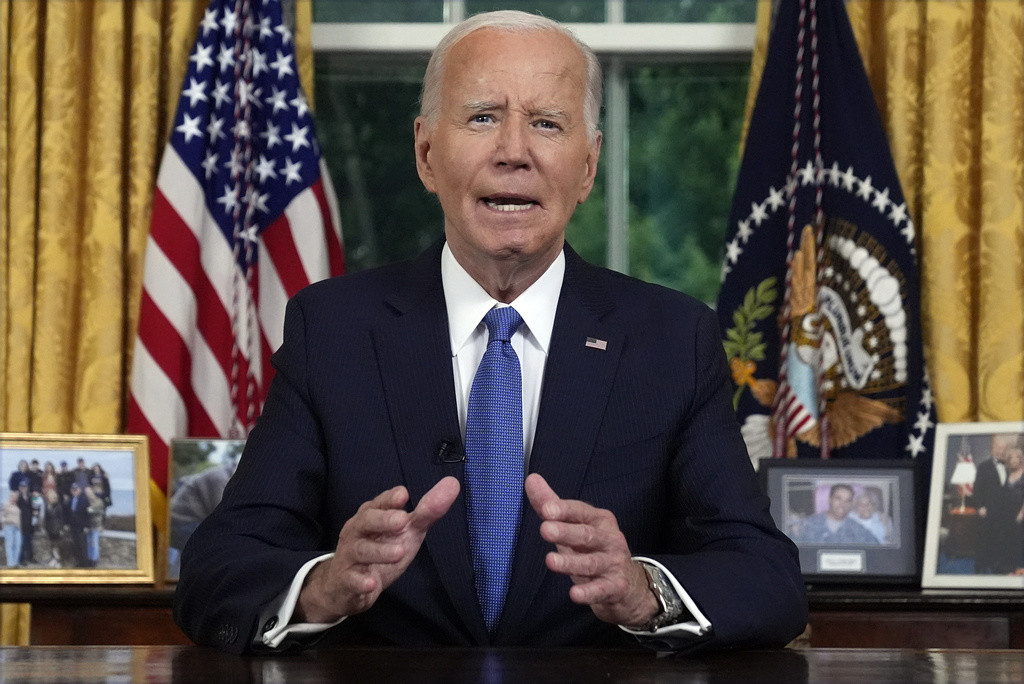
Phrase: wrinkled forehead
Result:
[496,59]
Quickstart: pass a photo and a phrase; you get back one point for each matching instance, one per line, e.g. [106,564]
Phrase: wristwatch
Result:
[671,606]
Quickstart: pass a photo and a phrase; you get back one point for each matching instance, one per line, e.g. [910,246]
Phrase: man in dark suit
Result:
[641,515]
[78,524]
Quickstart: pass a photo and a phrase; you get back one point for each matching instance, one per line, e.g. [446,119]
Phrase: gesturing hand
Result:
[592,551]
[374,548]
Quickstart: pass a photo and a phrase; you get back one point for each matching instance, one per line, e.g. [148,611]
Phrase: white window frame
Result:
[615,43]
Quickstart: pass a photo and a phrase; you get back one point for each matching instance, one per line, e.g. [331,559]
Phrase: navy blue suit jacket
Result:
[362,400]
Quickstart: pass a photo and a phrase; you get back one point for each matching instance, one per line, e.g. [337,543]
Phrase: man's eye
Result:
[547,125]
[482,118]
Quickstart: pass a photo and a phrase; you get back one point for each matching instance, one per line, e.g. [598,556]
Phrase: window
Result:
[675,73]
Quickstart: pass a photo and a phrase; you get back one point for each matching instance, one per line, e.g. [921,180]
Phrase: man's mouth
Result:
[509,203]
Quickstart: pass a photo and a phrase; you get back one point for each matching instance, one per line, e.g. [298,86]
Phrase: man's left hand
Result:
[590,549]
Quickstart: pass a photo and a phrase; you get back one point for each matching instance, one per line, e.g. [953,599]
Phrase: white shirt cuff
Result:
[279,613]
[696,627]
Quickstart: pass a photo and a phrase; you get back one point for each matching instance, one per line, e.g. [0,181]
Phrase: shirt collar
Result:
[468,302]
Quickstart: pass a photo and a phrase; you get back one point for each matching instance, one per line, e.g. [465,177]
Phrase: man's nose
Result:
[512,147]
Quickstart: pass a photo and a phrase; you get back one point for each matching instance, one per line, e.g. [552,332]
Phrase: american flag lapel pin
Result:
[595,343]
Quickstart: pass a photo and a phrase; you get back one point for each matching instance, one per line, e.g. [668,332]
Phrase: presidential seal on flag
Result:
[819,301]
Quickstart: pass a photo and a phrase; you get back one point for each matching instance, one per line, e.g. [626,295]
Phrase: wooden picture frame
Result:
[973,539]
[878,538]
[199,469]
[91,519]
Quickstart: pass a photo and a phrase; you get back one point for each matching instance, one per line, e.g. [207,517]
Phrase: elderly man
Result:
[577,472]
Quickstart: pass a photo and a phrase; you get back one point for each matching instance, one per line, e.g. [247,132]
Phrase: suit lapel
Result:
[577,383]
[414,358]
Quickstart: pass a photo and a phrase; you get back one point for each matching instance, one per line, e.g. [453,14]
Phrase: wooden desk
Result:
[858,617]
[158,664]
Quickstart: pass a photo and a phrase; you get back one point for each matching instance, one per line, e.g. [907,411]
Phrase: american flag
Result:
[243,217]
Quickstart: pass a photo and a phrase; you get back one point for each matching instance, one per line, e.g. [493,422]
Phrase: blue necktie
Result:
[494,461]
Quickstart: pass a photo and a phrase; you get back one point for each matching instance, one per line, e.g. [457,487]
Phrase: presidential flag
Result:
[819,302]
[243,217]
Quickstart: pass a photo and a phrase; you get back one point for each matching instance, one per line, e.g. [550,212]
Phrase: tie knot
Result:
[502,323]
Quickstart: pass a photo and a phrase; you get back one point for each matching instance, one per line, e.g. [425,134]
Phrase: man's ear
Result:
[591,171]
[421,135]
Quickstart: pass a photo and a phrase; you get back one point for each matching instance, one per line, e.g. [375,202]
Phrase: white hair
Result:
[512,21]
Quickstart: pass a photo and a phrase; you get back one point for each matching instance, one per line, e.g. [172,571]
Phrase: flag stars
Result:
[286,34]
[834,175]
[898,213]
[283,65]
[791,186]
[229,199]
[915,445]
[226,58]
[202,57]
[733,251]
[300,104]
[249,235]
[298,137]
[926,396]
[190,128]
[881,201]
[248,93]
[806,174]
[265,30]
[908,232]
[278,100]
[209,23]
[196,92]
[235,165]
[849,179]
[865,188]
[220,94]
[255,200]
[229,21]
[757,213]
[210,164]
[259,63]
[775,198]
[265,169]
[272,135]
[242,129]
[215,129]
[924,422]
[743,231]
[290,171]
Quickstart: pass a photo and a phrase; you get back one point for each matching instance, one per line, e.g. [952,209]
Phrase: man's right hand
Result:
[375,547]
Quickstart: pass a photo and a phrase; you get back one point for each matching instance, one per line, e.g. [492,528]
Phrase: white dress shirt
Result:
[467,303]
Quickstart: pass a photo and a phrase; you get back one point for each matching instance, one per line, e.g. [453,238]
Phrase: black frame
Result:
[793,484]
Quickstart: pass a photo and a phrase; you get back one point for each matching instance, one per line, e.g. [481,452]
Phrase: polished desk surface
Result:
[156,664]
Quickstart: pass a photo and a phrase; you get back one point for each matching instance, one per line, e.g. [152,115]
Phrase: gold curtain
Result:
[948,77]
[90,88]
[949,81]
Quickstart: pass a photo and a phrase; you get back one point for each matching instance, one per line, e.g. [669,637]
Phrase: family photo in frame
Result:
[975,532]
[853,520]
[76,509]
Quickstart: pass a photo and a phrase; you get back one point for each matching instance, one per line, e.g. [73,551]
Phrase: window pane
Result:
[364,116]
[685,123]
[377,10]
[691,10]
[559,10]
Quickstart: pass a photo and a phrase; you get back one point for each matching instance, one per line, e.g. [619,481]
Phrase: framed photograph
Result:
[199,470]
[852,520]
[975,534]
[75,509]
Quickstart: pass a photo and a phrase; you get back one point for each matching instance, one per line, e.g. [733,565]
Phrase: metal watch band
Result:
[671,605]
